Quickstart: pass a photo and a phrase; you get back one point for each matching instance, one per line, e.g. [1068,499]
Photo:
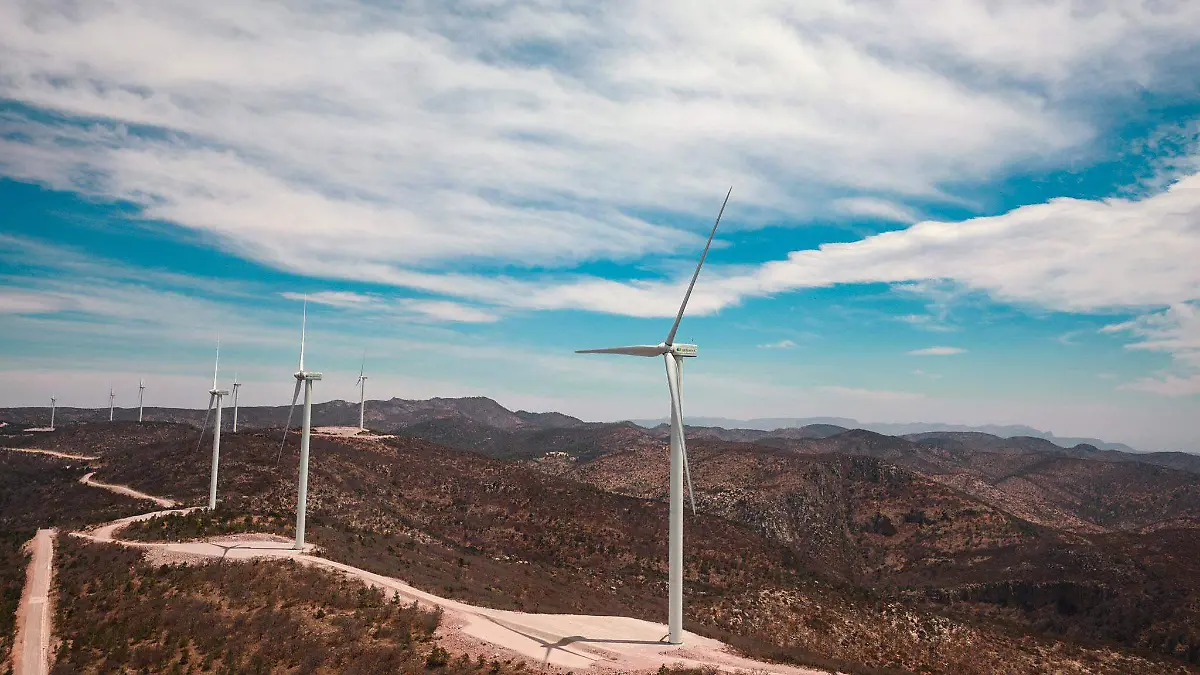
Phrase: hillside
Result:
[506,534]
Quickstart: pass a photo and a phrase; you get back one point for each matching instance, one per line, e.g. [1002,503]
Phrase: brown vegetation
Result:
[118,614]
[506,535]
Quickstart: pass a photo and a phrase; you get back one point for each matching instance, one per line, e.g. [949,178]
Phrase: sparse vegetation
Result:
[506,535]
[116,613]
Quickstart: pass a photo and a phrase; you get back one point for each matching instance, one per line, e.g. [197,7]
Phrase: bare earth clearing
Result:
[575,642]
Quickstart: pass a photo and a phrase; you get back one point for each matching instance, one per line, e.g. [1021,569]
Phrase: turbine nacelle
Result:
[302,375]
[684,350]
[219,392]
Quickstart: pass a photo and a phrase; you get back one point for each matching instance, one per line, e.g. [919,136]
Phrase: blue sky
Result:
[967,214]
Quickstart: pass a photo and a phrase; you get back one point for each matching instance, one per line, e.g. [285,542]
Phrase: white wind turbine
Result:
[53,405]
[112,396]
[362,394]
[214,400]
[303,378]
[236,385]
[673,354]
[141,392]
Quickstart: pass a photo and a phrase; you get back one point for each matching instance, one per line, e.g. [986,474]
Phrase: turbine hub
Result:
[683,350]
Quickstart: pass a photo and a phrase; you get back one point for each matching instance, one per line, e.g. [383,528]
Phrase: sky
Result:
[970,212]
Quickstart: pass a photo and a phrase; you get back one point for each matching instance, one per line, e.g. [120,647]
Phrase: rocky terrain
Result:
[841,561]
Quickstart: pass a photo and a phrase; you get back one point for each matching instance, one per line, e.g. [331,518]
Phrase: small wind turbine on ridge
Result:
[214,400]
[304,379]
[362,393]
[53,405]
[141,392]
[236,385]
[673,354]
[112,396]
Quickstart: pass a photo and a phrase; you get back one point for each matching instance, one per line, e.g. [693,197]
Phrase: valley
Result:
[840,550]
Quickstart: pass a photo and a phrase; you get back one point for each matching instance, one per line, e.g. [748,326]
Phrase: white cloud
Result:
[1175,332]
[327,138]
[782,344]
[921,373]
[937,351]
[875,208]
[871,394]
[343,299]
[444,310]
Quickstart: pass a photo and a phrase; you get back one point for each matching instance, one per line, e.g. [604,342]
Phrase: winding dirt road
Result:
[52,453]
[31,650]
[574,642]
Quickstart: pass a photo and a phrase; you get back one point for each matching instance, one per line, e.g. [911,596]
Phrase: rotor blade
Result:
[679,317]
[303,330]
[636,350]
[205,424]
[677,420]
[292,409]
[217,362]
[362,368]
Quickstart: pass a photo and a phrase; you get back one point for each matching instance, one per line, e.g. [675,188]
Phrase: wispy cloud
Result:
[782,344]
[937,351]
[322,166]
[931,376]
[1175,332]
[871,394]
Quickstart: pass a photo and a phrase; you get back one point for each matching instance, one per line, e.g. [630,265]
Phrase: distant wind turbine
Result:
[141,392]
[303,378]
[362,393]
[236,385]
[673,354]
[112,396]
[214,401]
[53,405]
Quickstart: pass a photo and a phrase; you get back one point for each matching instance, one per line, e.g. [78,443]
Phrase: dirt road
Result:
[31,650]
[52,453]
[575,642]
[127,491]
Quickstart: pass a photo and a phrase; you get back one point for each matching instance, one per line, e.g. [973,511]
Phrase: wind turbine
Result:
[53,405]
[303,378]
[673,354]
[362,393]
[112,395]
[236,385]
[214,400]
[141,391]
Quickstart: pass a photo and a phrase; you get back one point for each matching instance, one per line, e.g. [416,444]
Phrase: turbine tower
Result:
[53,405]
[303,378]
[673,354]
[362,394]
[112,396]
[141,392]
[214,400]
[236,385]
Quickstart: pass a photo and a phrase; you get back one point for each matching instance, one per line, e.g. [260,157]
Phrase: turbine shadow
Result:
[562,643]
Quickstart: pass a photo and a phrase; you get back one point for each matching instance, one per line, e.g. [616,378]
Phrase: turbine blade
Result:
[303,331]
[217,362]
[363,366]
[204,425]
[636,350]
[292,409]
[677,421]
[688,295]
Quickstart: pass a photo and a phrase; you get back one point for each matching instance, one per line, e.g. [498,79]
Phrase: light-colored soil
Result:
[556,641]
[127,491]
[31,649]
[52,453]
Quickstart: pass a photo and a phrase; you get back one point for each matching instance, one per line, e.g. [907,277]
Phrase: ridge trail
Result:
[596,643]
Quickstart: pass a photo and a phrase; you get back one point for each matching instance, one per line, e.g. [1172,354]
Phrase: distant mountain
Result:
[891,428]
